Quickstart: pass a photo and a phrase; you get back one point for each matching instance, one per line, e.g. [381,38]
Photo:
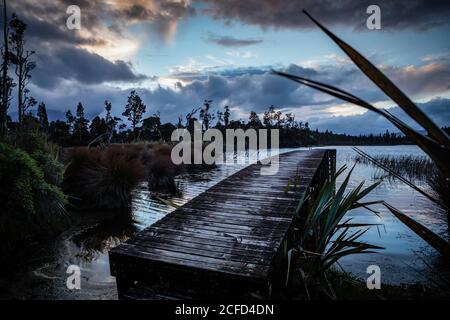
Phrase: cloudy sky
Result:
[176,53]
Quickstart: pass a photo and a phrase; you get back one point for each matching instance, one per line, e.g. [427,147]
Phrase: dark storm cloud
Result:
[145,11]
[58,52]
[395,15]
[163,15]
[257,90]
[229,41]
[53,12]
[78,64]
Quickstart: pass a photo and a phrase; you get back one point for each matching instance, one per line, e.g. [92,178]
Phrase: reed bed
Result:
[410,166]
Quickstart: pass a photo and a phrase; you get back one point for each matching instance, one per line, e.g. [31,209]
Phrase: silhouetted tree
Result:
[111,121]
[219,116]
[254,121]
[206,115]
[108,108]
[80,131]
[134,110]
[6,82]
[180,123]
[151,127]
[29,102]
[59,132]
[166,131]
[42,116]
[190,119]
[226,116]
[98,127]
[70,120]
[289,120]
[23,66]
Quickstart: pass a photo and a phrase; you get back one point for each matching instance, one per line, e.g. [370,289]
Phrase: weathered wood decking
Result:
[227,241]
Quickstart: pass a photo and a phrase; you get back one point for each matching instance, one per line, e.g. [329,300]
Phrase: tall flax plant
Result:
[324,235]
[436,144]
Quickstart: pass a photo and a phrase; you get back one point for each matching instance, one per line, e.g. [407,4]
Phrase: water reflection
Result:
[99,238]
[406,258]
[93,234]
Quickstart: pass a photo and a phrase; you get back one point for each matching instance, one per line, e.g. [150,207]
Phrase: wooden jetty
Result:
[226,242]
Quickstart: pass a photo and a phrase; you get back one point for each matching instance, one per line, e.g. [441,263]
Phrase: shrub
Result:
[30,206]
[35,143]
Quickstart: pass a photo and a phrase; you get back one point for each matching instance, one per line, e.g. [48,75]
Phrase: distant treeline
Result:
[77,130]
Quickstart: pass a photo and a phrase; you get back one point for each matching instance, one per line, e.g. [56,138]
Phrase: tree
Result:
[134,110]
[98,127]
[29,102]
[289,120]
[111,122]
[59,132]
[254,121]
[180,123]
[190,119]
[42,116]
[205,114]
[151,127]
[108,108]
[272,118]
[81,125]
[219,116]
[166,131]
[70,120]
[226,116]
[21,59]
[5,81]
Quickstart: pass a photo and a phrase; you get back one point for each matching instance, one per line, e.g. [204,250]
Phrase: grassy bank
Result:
[32,204]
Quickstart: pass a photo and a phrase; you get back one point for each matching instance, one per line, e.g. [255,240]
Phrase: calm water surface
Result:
[42,273]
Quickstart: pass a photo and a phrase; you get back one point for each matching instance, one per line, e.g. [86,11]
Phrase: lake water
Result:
[406,258]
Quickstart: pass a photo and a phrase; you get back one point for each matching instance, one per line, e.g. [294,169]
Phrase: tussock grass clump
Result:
[161,170]
[104,178]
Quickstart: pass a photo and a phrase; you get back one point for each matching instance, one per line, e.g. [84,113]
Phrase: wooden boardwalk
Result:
[227,241]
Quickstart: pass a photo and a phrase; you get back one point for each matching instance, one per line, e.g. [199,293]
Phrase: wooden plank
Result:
[202,250]
[193,261]
[206,243]
[234,228]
